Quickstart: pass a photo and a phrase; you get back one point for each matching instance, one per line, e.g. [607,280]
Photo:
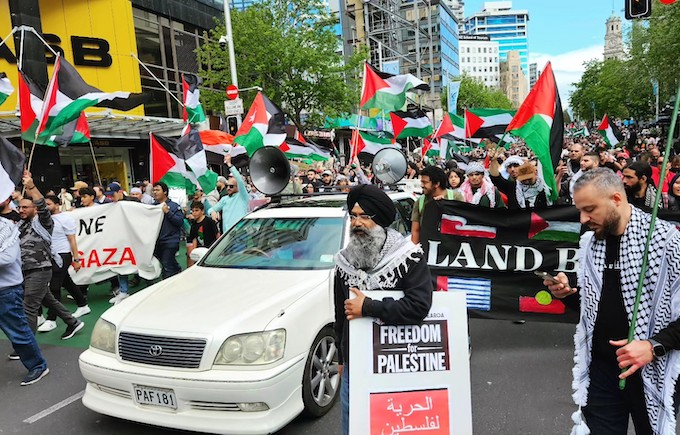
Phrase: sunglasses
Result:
[230,186]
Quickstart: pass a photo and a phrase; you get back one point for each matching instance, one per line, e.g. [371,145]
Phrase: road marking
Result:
[56,407]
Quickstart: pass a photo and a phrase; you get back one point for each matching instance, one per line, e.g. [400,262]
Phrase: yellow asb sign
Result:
[96,36]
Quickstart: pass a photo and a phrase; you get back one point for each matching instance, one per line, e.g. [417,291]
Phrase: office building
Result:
[513,82]
[503,24]
[533,74]
[479,59]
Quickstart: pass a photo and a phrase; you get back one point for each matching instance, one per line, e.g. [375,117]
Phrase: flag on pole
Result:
[12,162]
[609,132]
[6,88]
[385,91]
[77,131]
[364,142]
[487,123]
[298,147]
[68,95]
[412,123]
[540,122]
[262,126]
[191,147]
[452,127]
[193,111]
[454,90]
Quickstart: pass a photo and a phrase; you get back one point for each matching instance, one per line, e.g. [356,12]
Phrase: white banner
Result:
[411,378]
[116,239]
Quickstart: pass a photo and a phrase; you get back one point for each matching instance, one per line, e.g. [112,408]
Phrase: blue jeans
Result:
[123,283]
[15,326]
[344,399]
[166,255]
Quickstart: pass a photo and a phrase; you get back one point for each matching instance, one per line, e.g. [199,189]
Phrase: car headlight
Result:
[104,336]
[252,349]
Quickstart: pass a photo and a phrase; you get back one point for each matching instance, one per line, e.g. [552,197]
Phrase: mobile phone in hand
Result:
[547,277]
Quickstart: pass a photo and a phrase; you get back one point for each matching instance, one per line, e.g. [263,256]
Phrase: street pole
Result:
[416,17]
[429,33]
[230,43]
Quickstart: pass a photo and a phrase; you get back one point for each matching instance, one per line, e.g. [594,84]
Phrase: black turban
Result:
[374,202]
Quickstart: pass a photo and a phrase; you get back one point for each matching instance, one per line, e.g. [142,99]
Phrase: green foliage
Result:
[289,49]
[474,94]
[623,88]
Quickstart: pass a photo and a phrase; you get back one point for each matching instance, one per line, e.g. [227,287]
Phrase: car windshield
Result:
[279,243]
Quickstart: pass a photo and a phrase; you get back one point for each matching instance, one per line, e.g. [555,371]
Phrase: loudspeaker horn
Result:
[269,170]
[389,165]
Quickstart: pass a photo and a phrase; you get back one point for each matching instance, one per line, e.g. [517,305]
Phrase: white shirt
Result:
[64,225]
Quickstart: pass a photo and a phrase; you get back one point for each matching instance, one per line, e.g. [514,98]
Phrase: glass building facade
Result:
[449,45]
[507,26]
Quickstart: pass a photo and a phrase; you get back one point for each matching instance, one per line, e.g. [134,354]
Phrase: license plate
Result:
[155,396]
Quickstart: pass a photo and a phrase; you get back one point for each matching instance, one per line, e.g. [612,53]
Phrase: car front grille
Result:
[161,351]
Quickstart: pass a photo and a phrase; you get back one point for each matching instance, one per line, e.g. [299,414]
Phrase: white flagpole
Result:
[156,78]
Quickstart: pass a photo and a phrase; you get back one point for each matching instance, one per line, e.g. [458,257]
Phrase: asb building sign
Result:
[95,36]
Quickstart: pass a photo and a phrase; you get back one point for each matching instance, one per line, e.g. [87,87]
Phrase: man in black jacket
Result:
[376,258]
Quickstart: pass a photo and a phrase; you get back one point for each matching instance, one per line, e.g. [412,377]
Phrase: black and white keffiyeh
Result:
[393,264]
[659,305]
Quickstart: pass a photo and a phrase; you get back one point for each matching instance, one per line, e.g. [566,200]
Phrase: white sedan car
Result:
[240,343]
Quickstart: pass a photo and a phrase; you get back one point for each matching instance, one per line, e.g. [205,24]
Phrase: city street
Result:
[521,383]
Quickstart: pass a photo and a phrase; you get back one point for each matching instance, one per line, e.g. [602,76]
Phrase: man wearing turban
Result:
[376,258]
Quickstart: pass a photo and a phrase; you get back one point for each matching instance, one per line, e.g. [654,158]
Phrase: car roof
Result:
[325,205]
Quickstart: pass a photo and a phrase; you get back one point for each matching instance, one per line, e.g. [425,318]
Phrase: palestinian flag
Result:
[556,231]
[387,91]
[219,142]
[363,142]
[193,111]
[68,95]
[11,168]
[452,127]
[180,163]
[539,121]
[30,104]
[609,132]
[582,132]
[413,123]
[6,88]
[262,126]
[487,123]
[299,148]
[431,147]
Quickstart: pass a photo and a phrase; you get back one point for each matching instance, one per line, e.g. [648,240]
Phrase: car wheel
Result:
[321,382]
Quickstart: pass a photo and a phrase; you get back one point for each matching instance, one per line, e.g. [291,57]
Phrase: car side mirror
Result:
[197,254]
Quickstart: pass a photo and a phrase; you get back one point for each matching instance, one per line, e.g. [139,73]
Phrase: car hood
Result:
[204,301]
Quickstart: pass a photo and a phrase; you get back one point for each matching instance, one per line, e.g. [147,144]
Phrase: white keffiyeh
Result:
[659,305]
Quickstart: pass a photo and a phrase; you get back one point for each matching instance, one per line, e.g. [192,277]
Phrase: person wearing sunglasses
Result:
[234,205]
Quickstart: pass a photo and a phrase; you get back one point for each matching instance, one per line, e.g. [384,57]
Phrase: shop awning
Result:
[106,125]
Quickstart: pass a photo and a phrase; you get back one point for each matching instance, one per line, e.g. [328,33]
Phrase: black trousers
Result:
[61,278]
[609,407]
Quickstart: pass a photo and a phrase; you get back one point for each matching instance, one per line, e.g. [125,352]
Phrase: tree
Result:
[289,49]
[474,94]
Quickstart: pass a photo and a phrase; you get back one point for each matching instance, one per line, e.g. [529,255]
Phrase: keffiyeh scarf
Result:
[659,305]
[394,263]
[487,188]
[528,194]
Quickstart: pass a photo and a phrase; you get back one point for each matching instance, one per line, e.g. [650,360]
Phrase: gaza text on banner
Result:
[116,239]
[491,256]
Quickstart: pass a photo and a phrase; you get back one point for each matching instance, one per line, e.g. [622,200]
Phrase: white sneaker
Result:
[48,326]
[116,299]
[81,311]
[41,320]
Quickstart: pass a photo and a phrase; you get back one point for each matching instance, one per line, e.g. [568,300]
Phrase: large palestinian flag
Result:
[193,111]
[385,91]
[539,121]
[262,126]
[299,147]
[487,123]
[219,142]
[412,123]
[31,103]
[609,132]
[6,87]
[11,168]
[68,95]
[181,163]
[452,127]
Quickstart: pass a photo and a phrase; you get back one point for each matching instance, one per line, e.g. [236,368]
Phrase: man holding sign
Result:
[376,258]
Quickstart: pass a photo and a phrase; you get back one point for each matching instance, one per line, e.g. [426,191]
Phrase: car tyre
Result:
[321,381]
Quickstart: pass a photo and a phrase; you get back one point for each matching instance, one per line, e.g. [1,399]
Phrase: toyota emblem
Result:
[155,350]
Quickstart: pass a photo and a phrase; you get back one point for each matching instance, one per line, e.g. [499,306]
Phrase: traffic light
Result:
[638,9]
[232,125]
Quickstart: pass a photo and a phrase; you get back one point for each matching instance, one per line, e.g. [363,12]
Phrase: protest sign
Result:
[411,378]
[116,239]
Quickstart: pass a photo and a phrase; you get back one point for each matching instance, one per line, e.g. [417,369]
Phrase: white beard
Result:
[363,250]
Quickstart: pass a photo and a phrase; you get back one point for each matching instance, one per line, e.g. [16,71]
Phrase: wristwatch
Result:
[657,349]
